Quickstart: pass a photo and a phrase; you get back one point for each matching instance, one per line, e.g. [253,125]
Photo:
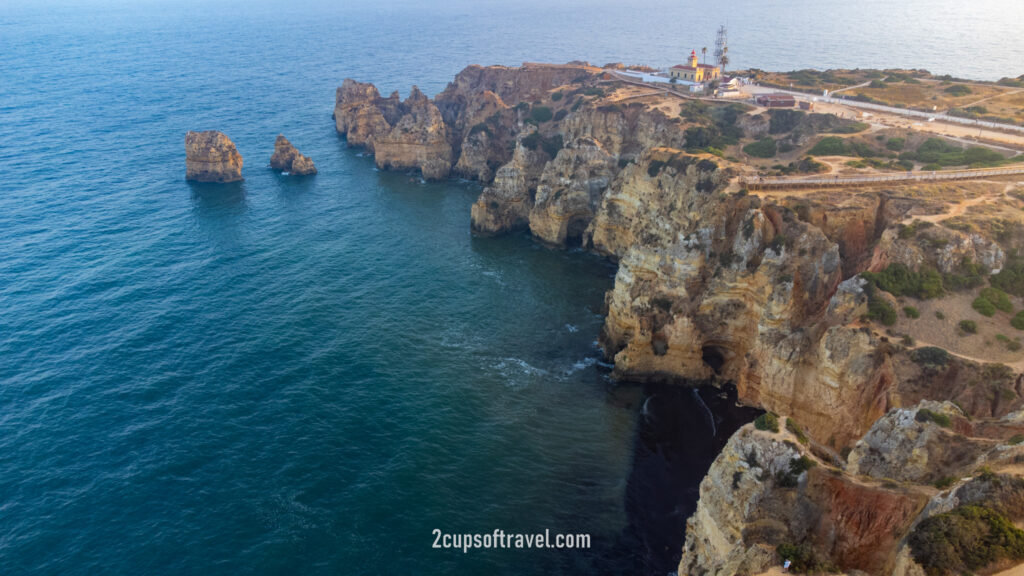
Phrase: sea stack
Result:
[210,156]
[288,159]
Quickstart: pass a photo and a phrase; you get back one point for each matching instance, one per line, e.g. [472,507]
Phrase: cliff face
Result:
[730,287]
[211,156]
[468,129]
[570,190]
[506,204]
[765,490]
[418,140]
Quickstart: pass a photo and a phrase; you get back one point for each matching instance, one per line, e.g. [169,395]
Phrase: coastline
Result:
[774,294]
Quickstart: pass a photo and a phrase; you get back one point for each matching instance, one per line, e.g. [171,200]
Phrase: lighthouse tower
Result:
[693,58]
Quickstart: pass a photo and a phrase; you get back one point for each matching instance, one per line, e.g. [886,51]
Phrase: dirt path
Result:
[1015,571]
[976,102]
[959,208]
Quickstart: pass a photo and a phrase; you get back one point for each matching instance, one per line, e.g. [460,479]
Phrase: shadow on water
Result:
[214,201]
[680,431]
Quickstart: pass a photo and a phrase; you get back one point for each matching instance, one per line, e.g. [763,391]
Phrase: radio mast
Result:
[721,47]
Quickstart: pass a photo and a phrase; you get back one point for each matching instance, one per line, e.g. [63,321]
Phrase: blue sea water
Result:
[307,376]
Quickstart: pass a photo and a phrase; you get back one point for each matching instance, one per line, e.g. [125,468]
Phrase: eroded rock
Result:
[210,156]
[288,159]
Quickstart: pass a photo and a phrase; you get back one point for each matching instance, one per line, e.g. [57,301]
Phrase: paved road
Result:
[939,116]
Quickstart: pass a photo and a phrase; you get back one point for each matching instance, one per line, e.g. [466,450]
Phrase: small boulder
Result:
[210,156]
[287,159]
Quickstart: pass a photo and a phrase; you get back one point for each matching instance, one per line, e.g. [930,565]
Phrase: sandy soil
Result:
[928,330]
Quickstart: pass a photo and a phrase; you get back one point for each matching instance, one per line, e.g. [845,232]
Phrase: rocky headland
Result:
[793,297]
[287,158]
[210,156]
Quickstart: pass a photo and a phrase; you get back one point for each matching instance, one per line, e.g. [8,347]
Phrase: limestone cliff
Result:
[469,129]
[288,159]
[765,490]
[418,140]
[507,203]
[570,190]
[211,156]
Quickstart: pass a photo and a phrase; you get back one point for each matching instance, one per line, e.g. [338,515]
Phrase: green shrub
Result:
[895,144]
[998,298]
[911,312]
[1011,278]
[560,115]
[1018,321]
[798,466]
[550,145]
[979,155]
[541,114]
[958,90]
[967,275]
[930,356]
[965,539]
[940,315]
[805,558]
[764,148]
[792,426]
[899,280]
[983,306]
[968,326]
[556,96]
[926,415]
[767,421]
[1015,439]
[945,482]
[783,120]
[830,146]
[880,311]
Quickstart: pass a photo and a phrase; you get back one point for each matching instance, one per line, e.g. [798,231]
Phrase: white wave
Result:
[572,329]
[580,365]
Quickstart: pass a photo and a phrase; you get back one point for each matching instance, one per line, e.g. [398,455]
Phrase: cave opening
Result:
[574,231]
[714,357]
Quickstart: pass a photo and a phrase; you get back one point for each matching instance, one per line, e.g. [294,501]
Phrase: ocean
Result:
[310,375]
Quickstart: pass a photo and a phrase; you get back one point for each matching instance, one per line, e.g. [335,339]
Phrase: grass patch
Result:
[764,148]
[899,280]
[911,312]
[926,415]
[793,427]
[830,146]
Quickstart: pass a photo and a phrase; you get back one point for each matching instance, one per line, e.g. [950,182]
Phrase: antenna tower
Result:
[721,45]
